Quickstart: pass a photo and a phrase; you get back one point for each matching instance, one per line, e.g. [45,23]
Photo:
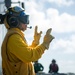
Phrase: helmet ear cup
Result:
[13,22]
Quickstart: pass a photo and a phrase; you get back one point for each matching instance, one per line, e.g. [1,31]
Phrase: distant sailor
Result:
[53,67]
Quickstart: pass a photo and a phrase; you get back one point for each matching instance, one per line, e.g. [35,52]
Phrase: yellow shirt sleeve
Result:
[18,47]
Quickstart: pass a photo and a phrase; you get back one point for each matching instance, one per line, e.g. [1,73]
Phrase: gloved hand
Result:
[47,38]
[36,36]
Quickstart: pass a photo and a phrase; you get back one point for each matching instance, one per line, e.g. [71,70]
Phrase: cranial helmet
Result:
[16,14]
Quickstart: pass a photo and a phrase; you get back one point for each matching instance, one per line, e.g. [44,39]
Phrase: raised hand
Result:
[37,36]
[48,38]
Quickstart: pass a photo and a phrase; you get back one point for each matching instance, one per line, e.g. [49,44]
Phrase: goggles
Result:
[24,19]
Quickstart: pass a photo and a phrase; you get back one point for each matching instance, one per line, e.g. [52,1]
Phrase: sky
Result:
[60,16]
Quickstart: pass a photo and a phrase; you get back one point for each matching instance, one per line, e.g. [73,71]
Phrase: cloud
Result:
[61,22]
[66,65]
[66,46]
[36,16]
[62,2]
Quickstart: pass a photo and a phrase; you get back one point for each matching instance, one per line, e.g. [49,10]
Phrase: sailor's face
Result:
[24,26]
